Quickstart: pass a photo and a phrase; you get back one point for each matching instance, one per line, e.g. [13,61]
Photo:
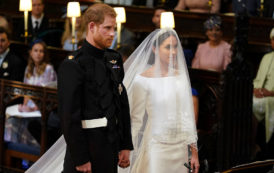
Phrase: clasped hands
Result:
[26,108]
[261,92]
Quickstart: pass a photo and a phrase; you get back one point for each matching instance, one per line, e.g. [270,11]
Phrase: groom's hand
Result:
[86,168]
[124,158]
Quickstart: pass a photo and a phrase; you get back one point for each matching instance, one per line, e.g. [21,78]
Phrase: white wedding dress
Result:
[162,148]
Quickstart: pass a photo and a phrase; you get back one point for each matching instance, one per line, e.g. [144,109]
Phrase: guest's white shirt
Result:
[39,20]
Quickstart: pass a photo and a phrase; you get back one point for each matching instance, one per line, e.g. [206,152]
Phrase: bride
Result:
[162,118]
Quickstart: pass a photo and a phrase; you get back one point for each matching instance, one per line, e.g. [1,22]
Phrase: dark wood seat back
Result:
[45,98]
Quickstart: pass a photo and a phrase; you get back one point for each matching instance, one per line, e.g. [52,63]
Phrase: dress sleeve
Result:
[50,75]
[196,59]
[25,80]
[181,5]
[138,108]
[260,73]
[227,56]
[216,6]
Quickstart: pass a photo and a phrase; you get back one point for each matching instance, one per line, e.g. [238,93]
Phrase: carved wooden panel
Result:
[45,98]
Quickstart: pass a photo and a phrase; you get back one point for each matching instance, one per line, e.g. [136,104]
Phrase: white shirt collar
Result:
[33,20]
[3,55]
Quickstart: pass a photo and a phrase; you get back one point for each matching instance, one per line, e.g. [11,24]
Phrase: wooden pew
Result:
[224,123]
[46,100]
[187,24]
[258,166]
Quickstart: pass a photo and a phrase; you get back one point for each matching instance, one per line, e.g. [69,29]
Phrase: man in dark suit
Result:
[93,103]
[37,22]
[269,8]
[11,66]
[252,7]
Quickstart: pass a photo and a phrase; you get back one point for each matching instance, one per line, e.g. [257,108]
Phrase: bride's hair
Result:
[158,42]
[163,37]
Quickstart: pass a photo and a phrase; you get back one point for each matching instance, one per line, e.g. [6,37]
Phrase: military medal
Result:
[115,66]
[113,61]
[120,89]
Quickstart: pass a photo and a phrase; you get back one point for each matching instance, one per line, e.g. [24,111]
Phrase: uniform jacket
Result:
[90,87]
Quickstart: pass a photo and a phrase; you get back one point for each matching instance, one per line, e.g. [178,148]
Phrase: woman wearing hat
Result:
[263,93]
[214,54]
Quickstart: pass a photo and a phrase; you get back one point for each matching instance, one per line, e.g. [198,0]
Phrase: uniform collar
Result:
[90,49]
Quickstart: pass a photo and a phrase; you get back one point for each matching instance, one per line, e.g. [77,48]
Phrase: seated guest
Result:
[263,93]
[215,54]
[38,23]
[4,23]
[199,6]
[251,7]
[40,73]
[11,66]
[156,19]
[80,33]
[268,8]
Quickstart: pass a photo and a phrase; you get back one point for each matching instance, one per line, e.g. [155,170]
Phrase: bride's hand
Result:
[195,161]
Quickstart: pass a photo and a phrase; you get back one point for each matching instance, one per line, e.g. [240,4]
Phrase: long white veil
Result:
[158,60]
[160,98]
[52,160]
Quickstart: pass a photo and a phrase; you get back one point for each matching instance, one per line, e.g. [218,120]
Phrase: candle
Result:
[26,6]
[73,11]
[120,18]
[73,21]
[26,22]
[118,34]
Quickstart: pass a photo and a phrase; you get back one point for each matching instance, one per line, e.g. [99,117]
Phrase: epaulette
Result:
[70,57]
[111,52]
[74,55]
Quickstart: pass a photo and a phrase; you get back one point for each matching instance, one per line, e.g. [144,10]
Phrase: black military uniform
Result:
[90,87]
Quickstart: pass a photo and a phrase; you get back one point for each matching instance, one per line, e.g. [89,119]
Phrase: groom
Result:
[93,102]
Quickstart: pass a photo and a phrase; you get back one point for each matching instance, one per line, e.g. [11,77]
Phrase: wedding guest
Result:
[199,6]
[11,66]
[263,96]
[40,73]
[214,54]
